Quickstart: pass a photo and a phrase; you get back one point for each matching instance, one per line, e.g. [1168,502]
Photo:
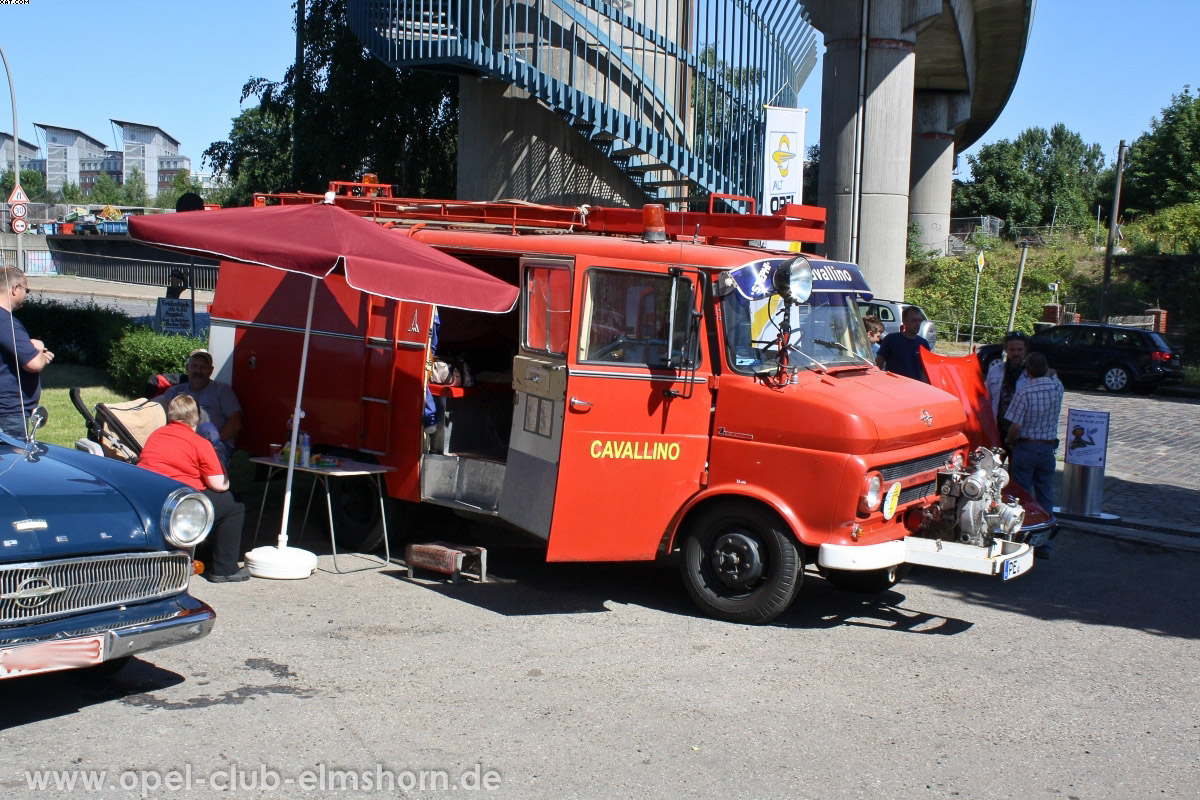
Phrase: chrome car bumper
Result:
[186,619]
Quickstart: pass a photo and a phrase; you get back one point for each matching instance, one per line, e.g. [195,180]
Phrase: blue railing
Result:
[672,90]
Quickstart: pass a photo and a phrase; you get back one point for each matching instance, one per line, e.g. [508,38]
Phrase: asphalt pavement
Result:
[1152,476]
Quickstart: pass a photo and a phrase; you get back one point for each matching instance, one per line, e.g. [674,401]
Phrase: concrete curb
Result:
[1158,536]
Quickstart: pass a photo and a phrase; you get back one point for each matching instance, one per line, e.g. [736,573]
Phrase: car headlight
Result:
[872,492]
[187,517]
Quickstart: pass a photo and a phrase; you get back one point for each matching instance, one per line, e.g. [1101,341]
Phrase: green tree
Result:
[1042,175]
[812,173]
[355,115]
[1163,167]
[257,156]
[33,183]
[134,193]
[106,190]
[182,182]
[71,193]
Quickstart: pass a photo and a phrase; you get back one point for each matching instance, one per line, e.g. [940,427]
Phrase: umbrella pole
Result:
[281,561]
[297,415]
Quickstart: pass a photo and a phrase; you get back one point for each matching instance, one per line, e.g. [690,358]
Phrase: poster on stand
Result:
[783,161]
[1087,437]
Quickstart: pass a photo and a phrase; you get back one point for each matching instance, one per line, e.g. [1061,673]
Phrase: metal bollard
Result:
[1083,468]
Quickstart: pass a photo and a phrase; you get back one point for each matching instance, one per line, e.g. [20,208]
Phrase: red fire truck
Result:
[662,385]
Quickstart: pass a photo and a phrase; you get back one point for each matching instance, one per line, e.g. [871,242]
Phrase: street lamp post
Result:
[16,147]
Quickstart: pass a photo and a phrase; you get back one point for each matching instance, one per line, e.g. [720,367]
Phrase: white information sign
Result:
[174,316]
[1087,437]
[783,162]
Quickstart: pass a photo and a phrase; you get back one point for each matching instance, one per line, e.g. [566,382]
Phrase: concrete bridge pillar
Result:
[865,162]
[935,116]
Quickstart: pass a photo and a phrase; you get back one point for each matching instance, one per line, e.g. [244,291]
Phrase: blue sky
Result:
[1103,68]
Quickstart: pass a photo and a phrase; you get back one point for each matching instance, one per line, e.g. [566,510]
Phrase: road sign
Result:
[979,262]
[18,210]
[18,195]
[18,226]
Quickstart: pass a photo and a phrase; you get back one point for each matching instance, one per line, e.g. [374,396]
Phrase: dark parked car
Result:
[1121,358]
[95,559]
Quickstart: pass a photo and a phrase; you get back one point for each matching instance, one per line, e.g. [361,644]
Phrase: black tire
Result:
[740,564]
[992,359]
[356,514]
[1116,379]
[871,581]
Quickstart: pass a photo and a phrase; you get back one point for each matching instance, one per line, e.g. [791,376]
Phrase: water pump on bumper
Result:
[970,508]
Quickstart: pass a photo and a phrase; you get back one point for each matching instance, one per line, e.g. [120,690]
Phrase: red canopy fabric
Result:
[316,239]
[963,377]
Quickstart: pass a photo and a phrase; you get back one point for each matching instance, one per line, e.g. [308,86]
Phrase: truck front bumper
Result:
[1004,558]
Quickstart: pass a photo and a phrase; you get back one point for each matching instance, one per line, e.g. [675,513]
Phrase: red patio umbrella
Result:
[316,240]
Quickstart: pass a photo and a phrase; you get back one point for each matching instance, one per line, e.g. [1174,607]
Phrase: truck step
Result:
[448,559]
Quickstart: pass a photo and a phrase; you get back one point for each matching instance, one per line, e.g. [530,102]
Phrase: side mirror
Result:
[37,418]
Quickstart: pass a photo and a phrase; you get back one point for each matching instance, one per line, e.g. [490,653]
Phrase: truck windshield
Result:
[827,332]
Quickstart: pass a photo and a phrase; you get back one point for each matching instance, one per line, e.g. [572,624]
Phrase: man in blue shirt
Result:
[900,352]
[21,359]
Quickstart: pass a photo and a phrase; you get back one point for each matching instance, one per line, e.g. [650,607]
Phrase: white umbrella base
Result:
[281,563]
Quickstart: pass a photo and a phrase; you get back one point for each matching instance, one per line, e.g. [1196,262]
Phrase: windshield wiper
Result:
[841,346]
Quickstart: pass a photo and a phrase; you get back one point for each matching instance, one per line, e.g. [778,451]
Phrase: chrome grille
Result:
[917,492]
[41,589]
[905,469]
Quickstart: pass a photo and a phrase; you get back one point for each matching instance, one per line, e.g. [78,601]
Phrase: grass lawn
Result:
[65,424]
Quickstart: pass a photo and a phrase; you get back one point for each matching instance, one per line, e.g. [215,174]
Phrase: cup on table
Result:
[275,451]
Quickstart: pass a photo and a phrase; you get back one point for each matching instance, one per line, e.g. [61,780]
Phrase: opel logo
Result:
[926,417]
[783,155]
[33,593]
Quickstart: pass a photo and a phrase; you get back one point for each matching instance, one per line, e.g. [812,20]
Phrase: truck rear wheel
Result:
[870,581]
[740,564]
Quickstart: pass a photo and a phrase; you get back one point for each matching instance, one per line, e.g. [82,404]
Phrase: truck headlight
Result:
[872,492]
[187,517]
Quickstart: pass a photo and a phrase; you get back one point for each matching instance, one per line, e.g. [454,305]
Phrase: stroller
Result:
[119,430]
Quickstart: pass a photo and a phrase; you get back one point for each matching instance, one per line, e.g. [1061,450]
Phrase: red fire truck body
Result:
[648,393]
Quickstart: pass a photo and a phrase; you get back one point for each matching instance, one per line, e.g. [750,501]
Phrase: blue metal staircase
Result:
[672,91]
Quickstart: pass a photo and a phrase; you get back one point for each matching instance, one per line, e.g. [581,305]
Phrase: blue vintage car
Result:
[95,559]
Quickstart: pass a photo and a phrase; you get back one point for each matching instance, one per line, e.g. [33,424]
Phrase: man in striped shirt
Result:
[1033,433]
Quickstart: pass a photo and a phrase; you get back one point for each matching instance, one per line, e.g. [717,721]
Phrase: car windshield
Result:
[825,332]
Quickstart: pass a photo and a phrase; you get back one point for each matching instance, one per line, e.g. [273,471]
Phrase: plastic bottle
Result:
[305,449]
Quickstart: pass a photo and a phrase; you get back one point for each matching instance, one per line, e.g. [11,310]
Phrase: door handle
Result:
[579,405]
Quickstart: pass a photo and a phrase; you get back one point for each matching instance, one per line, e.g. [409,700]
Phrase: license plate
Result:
[1016,566]
[30,659]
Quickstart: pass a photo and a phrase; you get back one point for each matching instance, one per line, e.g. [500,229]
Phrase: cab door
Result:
[636,414]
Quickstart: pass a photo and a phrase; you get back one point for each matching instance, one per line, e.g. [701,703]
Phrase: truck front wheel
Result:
[740,564]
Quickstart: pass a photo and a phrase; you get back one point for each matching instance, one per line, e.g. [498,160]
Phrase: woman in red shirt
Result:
[177,451]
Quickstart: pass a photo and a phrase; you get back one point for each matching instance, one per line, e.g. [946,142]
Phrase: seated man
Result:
[220,411]
[175,450]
